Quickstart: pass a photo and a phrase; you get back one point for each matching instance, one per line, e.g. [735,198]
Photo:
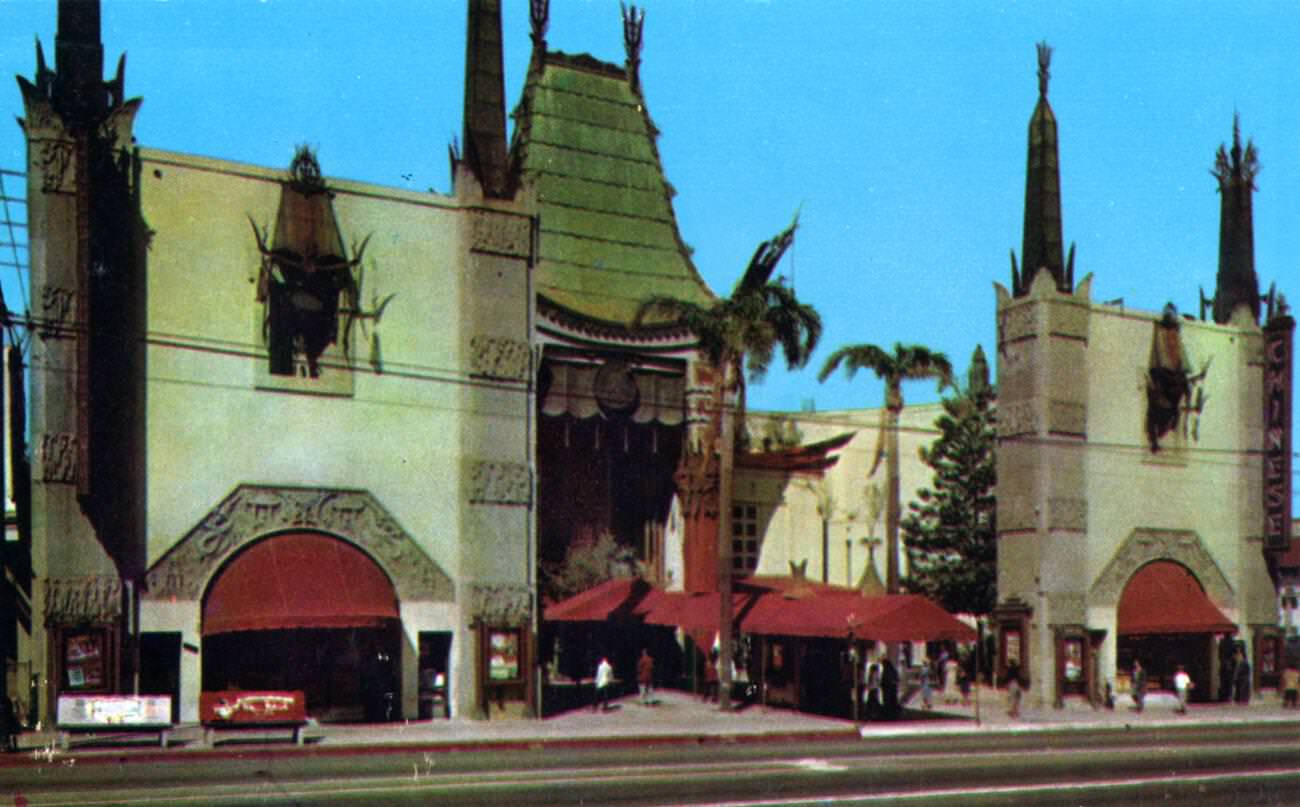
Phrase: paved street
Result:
[684,751]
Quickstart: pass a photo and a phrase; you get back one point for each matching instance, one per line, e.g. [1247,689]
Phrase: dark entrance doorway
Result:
[160,667]
[346,675]
[1161,654]
[306,611]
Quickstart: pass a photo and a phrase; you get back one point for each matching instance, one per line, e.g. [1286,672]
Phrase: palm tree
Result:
[907,363]
[737,335]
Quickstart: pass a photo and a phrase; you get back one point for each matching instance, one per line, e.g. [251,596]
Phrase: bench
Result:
[164,733]
[294,726]
[109,716]
[244,711]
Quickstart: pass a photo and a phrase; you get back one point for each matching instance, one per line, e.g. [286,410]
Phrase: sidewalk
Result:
[677,717]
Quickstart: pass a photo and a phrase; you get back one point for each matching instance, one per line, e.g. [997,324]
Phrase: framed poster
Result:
[1073,659]
[503,655]
[85,659]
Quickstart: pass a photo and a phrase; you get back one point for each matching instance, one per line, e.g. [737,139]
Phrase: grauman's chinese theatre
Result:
[1143,458]
[293,432]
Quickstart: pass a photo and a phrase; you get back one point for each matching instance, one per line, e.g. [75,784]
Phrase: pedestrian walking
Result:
[872,687]
[1241,680]
[645,676]
[712,672]
[927,694]
[1183,688]
[889,688]
[1013,689]
[604,683]
[1290,684]
[951,669]
[1138,685]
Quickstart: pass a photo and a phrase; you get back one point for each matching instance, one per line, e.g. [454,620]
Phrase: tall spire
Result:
[1042,248]
[79,91]
[485,106]
[1236,284]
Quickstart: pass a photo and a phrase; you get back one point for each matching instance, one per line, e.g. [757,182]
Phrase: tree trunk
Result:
[892,503]
[727,452]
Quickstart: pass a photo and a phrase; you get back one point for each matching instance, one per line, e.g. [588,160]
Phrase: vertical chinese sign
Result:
[1278,342]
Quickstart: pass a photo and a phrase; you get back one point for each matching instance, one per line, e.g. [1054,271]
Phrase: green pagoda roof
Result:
[586,146]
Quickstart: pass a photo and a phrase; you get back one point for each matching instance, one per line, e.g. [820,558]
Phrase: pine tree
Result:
[951,532]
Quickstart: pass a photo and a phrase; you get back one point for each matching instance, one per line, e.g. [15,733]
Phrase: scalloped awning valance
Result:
[613,388]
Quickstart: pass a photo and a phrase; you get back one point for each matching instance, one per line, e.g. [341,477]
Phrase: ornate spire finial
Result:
[1237,285]
[633,26]
[1044,67]
[539,16]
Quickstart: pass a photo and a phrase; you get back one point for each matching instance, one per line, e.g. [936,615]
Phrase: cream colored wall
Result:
[210,429]
[1207,482]
[794,532]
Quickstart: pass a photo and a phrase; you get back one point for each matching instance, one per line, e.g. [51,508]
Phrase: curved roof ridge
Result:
[609,235]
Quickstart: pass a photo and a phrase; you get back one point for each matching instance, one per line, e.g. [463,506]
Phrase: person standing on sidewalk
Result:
[1013,689]
[645,676]
[1183,687]
[1241,680]
[1290,684]
[1139,685]
[604,681]
[9,728]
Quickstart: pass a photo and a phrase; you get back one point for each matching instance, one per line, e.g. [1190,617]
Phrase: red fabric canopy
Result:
[613,599]
[299,580]
[837,613]
[1163,597]
[783,606]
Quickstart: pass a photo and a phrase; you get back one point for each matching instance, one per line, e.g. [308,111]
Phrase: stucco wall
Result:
[790,502]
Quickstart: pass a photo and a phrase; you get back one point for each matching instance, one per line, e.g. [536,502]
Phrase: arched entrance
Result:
[1165,619]
[308,611]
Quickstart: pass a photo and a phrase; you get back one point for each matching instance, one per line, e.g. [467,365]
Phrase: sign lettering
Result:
[1277,433]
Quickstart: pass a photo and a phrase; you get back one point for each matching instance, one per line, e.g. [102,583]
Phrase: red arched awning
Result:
[1163,597]
[299,580]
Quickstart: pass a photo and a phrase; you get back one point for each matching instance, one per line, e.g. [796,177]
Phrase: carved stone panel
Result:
[254,512]
[1067,417]
[500,234]
[494,357]
[1016,418]
[1145,545]
[81,600]
[1016,513]
[493,482]
[1017,322]
[56,458]
[1067,514]
[52,160]
[499,604]
[1068,320]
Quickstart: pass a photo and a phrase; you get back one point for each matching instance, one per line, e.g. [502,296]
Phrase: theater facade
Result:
[1143,459]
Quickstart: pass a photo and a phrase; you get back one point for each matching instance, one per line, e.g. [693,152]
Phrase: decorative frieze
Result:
[500,234]
[53,163]
[1016,514]
[58,305]
[1145,545]
[1068,320]
[56,458]
[1067,417]
[1016,418]
[81,600]
[499,604]
[1067,514]
[1017,322]
[254,512]
[493,482]
[498,357]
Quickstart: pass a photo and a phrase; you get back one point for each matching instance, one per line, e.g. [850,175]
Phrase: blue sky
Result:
[897,129]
